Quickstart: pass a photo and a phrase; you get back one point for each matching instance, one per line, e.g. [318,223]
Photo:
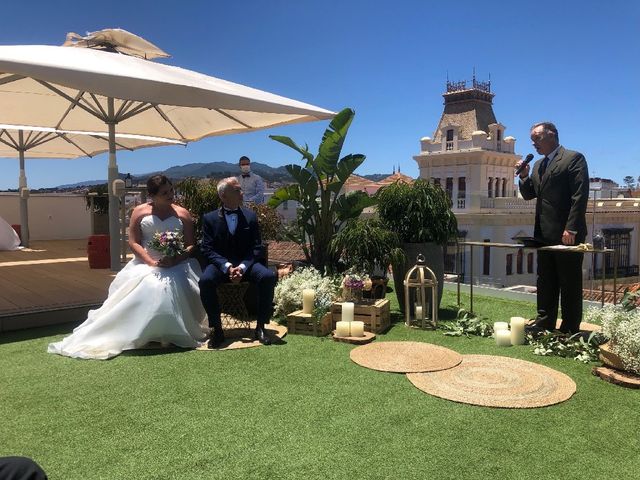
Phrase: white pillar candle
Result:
[418,311]
[347,311]
[342,329]
[517,330]
[308,296]
[357,329]
[497,326]
[503,338]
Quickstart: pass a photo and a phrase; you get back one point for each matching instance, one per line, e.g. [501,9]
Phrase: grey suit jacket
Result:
[561,197]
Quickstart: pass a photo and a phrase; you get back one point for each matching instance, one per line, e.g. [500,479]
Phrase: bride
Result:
[154,298]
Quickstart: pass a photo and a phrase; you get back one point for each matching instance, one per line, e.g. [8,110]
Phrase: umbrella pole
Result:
[114,201]
[23,194]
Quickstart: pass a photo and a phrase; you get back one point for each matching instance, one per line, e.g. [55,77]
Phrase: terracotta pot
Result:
[609,358]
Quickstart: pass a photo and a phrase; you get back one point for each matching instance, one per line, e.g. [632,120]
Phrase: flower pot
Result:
[352,294]
[609,358]
[434,259]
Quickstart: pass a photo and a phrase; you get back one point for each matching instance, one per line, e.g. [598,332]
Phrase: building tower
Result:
[469,156]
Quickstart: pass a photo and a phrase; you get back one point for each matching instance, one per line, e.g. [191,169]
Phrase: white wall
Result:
[51,216]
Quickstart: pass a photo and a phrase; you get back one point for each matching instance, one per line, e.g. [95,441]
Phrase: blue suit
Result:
[220,247]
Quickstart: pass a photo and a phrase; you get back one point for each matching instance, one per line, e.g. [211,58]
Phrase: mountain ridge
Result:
[210,170]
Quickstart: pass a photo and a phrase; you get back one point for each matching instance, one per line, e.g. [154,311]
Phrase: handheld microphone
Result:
[524,163]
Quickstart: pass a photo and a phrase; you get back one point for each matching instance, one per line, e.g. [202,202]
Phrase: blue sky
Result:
[576,63]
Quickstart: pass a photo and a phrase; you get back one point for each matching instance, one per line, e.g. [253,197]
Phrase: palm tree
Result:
[317,189]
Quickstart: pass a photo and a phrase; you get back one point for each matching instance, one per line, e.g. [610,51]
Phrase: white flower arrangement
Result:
[288,292]
[622,327]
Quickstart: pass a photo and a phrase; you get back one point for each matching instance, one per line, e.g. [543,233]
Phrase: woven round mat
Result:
[584,326]
[497,382]
[403,357]
[243,337]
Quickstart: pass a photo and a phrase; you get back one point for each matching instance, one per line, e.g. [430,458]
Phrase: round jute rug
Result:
[584,326]
[502,382]
[403,357]
[243,337]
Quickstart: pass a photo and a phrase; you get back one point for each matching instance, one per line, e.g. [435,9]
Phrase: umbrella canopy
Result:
[86,89]
[43,142]
[16,141]
[68,88]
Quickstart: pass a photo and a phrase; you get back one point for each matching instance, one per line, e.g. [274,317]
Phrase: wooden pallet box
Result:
[304,324]
[375,314]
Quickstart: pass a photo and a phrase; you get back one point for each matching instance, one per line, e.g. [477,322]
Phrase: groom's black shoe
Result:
[216,339]
[261,335]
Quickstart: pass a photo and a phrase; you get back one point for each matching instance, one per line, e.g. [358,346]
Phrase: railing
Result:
[622,271]
[487,203]
[461,203]
[462,245]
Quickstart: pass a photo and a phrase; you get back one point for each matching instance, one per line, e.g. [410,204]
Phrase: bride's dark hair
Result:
[155,182]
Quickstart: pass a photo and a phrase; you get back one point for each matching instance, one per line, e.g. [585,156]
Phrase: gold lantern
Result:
[418,280]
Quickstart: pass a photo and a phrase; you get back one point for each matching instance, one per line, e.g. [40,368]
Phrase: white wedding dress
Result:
[145,304]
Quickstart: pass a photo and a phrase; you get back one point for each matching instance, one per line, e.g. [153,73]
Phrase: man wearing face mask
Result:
[251,183]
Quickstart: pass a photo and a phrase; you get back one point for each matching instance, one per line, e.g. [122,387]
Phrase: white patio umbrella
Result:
[18,141]
[94,89]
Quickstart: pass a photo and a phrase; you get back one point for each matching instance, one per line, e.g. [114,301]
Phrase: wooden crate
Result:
[305,324]
[375,315]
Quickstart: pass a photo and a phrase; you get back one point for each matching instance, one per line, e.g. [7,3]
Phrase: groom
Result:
[231,242]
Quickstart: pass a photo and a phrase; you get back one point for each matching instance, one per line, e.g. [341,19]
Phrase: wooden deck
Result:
[51,282]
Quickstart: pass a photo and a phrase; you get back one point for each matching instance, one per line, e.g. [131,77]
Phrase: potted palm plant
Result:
[420,213]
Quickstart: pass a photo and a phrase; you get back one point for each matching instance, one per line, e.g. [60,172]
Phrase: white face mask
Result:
[245,168]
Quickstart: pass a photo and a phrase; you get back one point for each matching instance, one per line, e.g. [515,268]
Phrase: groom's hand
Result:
[235,274]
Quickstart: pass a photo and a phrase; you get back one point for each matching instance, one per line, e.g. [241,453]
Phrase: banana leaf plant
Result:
[318,187]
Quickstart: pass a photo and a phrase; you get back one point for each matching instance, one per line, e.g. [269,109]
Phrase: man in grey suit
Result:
[560,184]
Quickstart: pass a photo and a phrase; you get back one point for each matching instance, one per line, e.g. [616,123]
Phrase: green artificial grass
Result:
[300,410]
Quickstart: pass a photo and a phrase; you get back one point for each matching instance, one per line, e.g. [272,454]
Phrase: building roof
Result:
[285,252]
[469,109]
[395,177]
[609,296]
[356,180]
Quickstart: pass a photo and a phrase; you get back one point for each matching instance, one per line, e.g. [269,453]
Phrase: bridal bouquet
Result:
[169,243]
